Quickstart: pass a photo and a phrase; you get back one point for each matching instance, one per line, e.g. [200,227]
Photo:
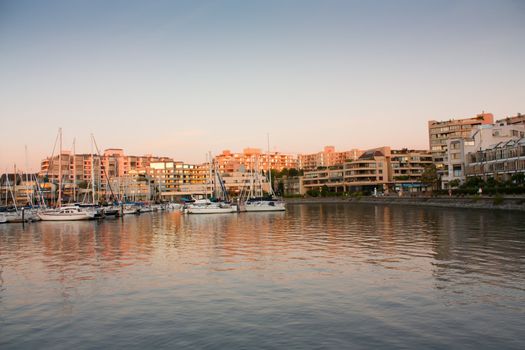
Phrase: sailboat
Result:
[19,214]
[213,206]
[66,213]
[259,201]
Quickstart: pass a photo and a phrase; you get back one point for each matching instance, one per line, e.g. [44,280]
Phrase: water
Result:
[328,276]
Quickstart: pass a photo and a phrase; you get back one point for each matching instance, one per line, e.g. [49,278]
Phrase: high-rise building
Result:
[484,137]
[439,132]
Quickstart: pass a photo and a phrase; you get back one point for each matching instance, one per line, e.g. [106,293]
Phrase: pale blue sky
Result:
[179,78]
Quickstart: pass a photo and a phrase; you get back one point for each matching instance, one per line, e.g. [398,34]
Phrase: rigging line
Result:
[104,169]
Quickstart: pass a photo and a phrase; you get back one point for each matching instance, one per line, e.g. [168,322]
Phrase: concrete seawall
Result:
[496,203]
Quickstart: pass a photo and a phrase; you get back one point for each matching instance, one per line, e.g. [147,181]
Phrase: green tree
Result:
[454,183]
[518,178]
[312,193]
[430,177]
[294,172]
[283,172]
[280,188]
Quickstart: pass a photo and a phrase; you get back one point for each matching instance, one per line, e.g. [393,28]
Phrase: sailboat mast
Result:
[74,172]
[92,171]
[212,188]
[6,188]
[60,169]
[11,191]
[269,167]
[26,182]
[14,186]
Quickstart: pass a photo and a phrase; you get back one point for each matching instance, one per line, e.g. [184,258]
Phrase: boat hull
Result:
[212,210]
[46,217]
[264,206]
[68,217]
[17,217]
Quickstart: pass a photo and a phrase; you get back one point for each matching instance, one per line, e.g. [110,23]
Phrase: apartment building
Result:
[500,161]
[439,132]
[518,119]
[407,166]
[326,158]
[82,167]
[134,186]
[481,138]
[253,159]
[332,177]
[16,188]
[380,169]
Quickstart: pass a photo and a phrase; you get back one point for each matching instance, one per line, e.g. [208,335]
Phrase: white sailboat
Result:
[264,204]
[67,213]
[206,205]
[258,201]
[20,214]
[173,206]
[130,209]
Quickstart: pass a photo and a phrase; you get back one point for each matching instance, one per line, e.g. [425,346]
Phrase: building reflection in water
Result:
[308,244]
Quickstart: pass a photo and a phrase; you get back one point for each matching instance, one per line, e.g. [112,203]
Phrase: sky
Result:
[181,78]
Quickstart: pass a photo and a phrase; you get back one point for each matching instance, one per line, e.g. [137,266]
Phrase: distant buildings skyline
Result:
[329,155]
[458,149]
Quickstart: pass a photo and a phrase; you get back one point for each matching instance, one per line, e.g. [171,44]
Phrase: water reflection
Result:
[371,264]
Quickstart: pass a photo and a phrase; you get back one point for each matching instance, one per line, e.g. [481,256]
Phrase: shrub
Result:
[498,199]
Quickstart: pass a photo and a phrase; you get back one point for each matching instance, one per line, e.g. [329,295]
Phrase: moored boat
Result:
[205,206]
[173,206]
[264,204]
[68,213]
[18,216]
[130,209]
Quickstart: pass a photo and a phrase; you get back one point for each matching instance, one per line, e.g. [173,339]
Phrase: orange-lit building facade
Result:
[326,158]
[253,159]
[380,168]
[82,167]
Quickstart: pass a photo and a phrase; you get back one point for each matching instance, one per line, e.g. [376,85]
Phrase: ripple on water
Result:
[318,276]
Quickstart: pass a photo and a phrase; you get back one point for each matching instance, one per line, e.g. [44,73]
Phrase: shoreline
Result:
[504,203]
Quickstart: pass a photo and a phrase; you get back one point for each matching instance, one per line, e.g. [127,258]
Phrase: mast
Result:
[103,168]
[26,182]
[213,176]
[92,171]
[14,186]
[12,195]
[269,167]
[74,172]
[60,169]
[6,188]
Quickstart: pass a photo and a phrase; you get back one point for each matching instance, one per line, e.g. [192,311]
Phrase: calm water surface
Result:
[328,276]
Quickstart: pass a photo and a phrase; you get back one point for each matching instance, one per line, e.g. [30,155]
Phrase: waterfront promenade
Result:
[514,203]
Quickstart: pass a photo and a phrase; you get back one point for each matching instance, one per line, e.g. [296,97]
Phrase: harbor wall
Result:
[475,202]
